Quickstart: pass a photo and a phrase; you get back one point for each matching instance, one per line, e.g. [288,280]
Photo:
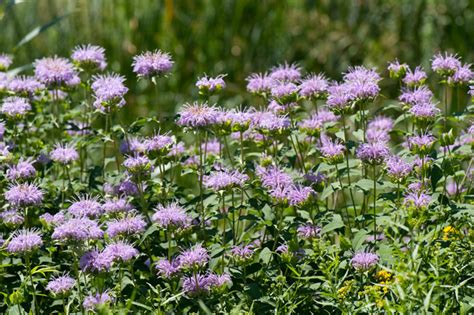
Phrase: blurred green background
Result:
[237,37]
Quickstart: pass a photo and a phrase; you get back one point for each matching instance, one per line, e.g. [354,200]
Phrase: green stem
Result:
[344,199]
[347,163]
[375,205]
[28,268]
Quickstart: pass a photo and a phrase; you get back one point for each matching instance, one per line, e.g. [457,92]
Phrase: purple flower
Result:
[109,91]
[12,217]
[397,69]
[419,95]
[64,154]
[362,82]
[415,78]
[120,251]
[381,122]
[24,195]
[25,85]
[225,179]
[171,216]
[15,107]
[373,153]
[53,220]
[211,147]
[5,62]
[167,269]
[285,72]
[270,122]
[421,144]
[242,253]
[130,225]
[158,143]
[417,200]
[89,57]
[133,145]
[196,285]
[340,97]
[316,122]
[378,129]
[211,85]
[462,75]
[272,177]
[86,206]
[80,229]
[61,285]
[332,151]
[56,71]
[152,63]
[93,301]
[219,281]
[445,64]
[452,188]
[176,150]
[397,168]
[424,111]
[138,165]
[127,187]
[258,83]
[282,249]
[298,195]
[116,205]
[193,258]
[24,169]
[197,115]
[313,86]
[284,91]
[24,242]
[308,231]
[364,261]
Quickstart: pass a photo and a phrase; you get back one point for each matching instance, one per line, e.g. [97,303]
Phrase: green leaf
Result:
[359,239]
[40,29]
[265,255]
[336,223]
[365,184]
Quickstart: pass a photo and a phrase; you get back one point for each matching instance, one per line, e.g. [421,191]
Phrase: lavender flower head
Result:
[130,225]
[445,64]
[93,301]
[332,151]
[56,71]
[397,69]
[25,85]
[243,253]
[80,229]
[210,85]
[138,165]
[197,115]
[421,144]
[196,285]
[417,199]
[53,220]
[364,261]
[273,177]
[64,154]
[61,285]
[270,122]
[24,242]
[85,206]
[418,95]
[285,72]
[171,216]
[284,92]
[415,78]
[152,63]
[298,195]
[5,62]
[225,179]
[167,269]
[116,205]
[462,75]
[23,170]
[158,143]
[193,258]
[12,217]
[316,121]
[397,168]
[373,153]
[362,82]
[340,97]
[109,91]
[15,107]
[424,111]
[89,57]
[259,83]
[308,231]
[120,251]
[24,195]
[313,86]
